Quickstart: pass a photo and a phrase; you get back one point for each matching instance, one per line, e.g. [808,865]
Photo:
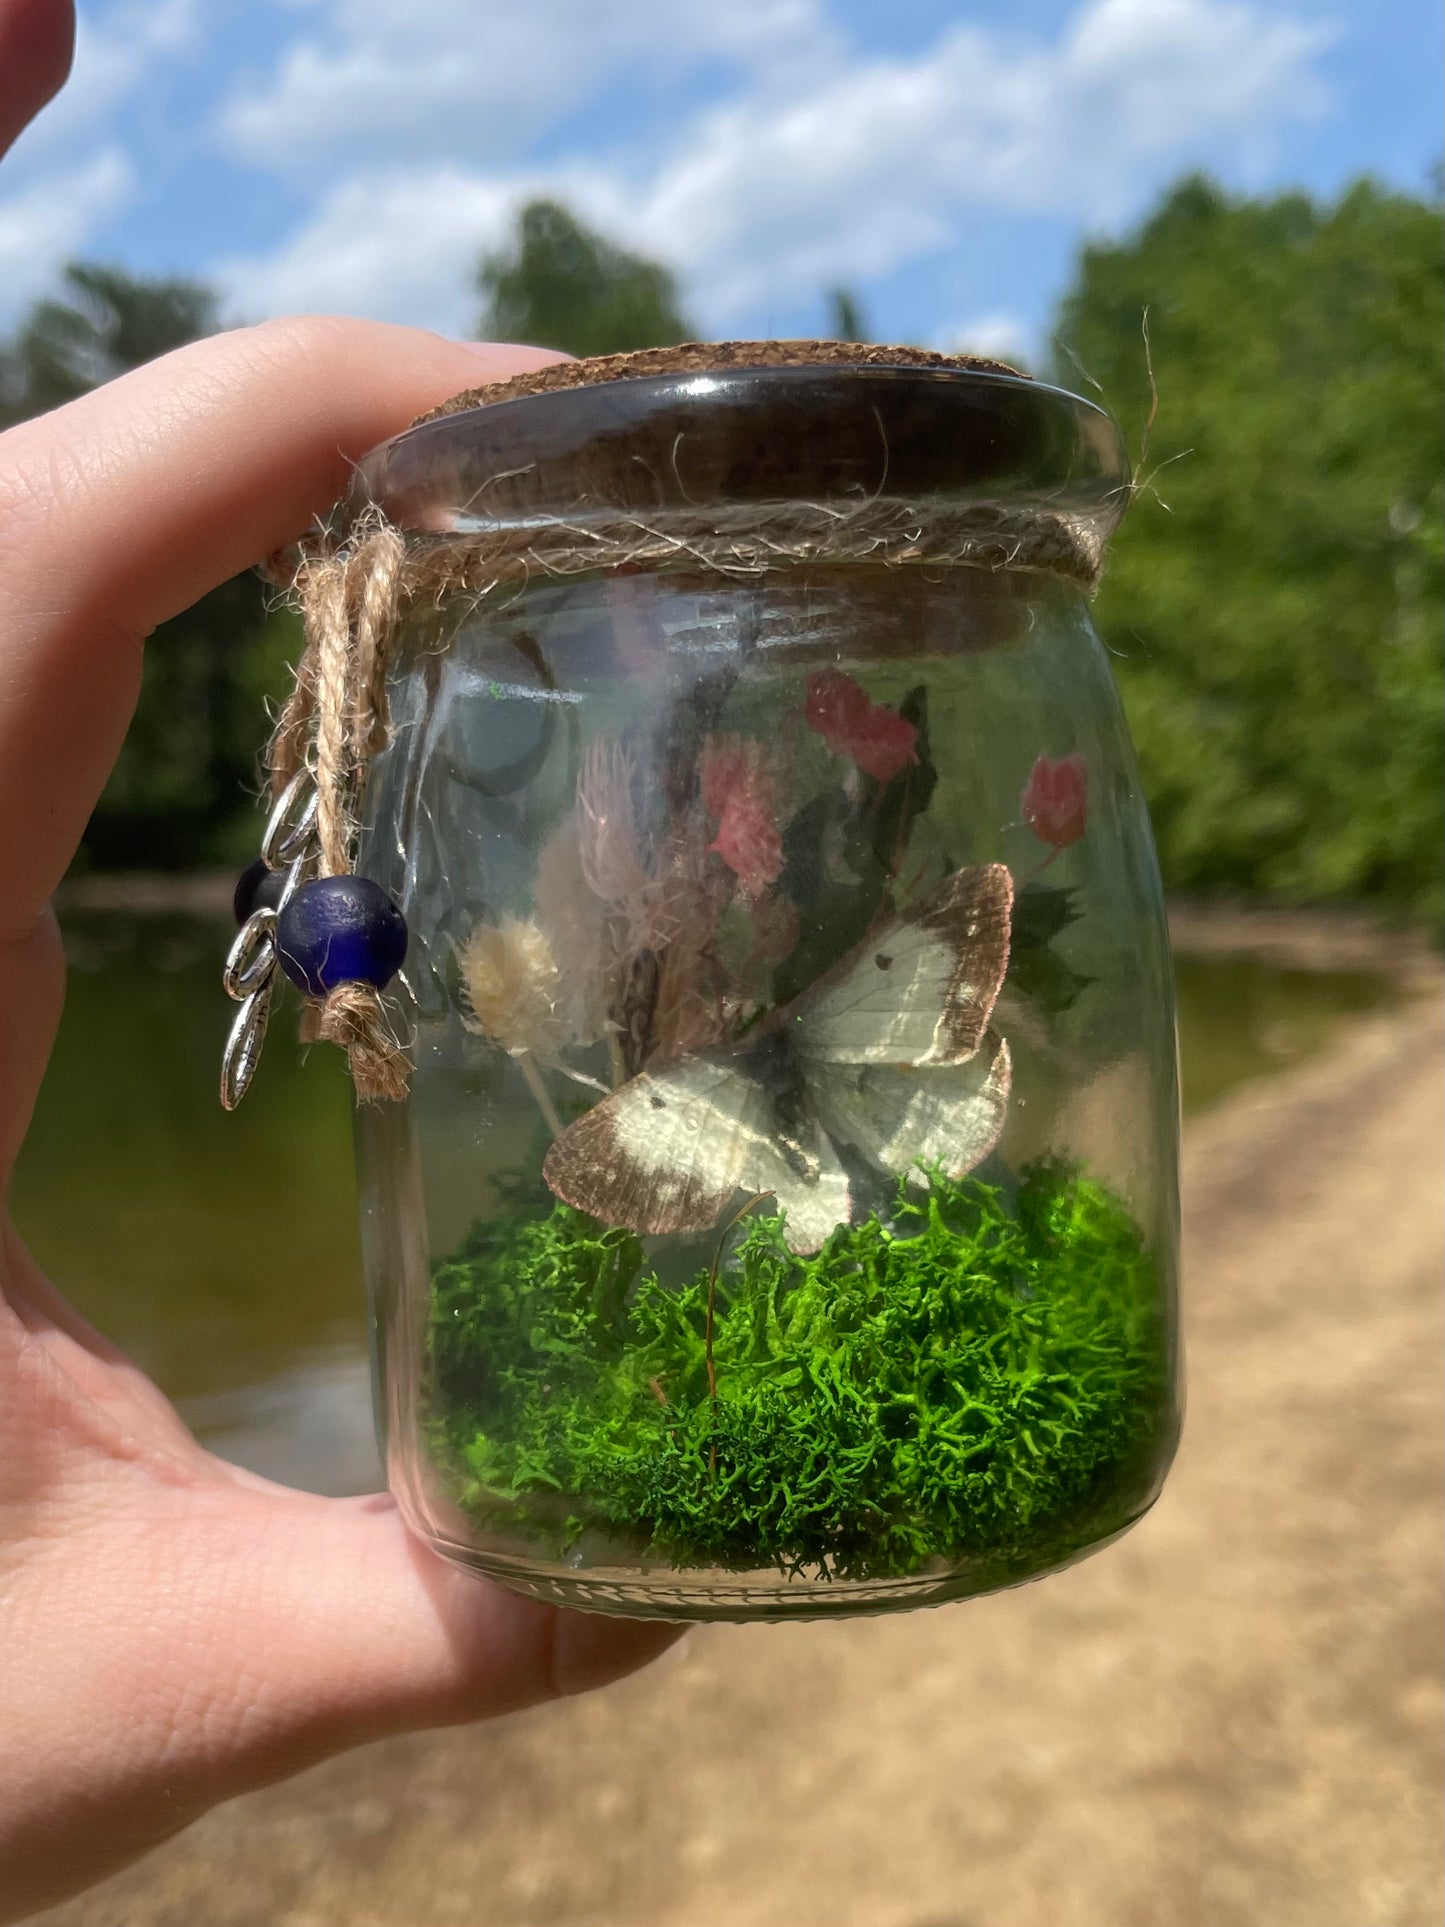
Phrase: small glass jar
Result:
[783,1217]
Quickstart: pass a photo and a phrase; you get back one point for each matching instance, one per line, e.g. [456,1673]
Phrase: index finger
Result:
[124,507]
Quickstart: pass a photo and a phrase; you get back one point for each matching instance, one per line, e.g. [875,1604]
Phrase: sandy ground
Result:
[1233,1716]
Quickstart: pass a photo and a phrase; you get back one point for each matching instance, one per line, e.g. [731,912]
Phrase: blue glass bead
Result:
[340,930]
[258,887]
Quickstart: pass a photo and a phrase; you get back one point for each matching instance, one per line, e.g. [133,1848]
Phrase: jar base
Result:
[719,1595]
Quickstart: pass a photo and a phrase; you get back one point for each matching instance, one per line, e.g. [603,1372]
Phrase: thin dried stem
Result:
[527,1064]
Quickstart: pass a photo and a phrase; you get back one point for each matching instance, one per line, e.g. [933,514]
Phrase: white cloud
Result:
[999,333]
[852,169]
[883,161]
[446,79]
[41,228]
[66,177]
[401,248]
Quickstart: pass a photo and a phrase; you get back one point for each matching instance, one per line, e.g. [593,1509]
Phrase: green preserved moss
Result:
[973,1377]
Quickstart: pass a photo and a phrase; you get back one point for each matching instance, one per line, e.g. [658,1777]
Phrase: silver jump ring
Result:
[251,960]
[251,966]
[243,1046]
[295,877]
[292,822]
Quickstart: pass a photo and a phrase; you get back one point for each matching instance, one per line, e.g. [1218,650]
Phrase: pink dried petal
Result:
[875,737]
[835,705]
[725,765]
[883,743]
[749,843]
[1055,800]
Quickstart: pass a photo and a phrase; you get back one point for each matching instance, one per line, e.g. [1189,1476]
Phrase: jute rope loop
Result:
[336,719]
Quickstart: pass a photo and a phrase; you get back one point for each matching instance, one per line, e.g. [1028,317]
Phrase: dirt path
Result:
[1231,1717]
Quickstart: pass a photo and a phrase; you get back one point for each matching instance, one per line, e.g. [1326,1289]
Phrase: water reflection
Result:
[221,1252]
[1239,1018]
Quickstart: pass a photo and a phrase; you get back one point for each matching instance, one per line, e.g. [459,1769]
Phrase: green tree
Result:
[1277,625]
[845,313]
[560,285]
[178,795]
[106,322]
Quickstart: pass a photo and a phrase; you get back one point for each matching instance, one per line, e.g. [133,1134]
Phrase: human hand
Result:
[176,1631]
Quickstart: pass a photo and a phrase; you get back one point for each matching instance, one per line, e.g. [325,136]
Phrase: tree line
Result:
[1272,602]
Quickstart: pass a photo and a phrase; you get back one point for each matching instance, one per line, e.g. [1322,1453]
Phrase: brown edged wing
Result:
[921,989]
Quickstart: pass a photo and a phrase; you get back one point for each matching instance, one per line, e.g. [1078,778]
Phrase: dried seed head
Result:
[512,987]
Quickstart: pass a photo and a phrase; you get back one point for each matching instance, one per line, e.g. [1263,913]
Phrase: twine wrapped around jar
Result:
[355,585]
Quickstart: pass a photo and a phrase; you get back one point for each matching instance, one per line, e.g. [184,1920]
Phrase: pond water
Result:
[221,1251]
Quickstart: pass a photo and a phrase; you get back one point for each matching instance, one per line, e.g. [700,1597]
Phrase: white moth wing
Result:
[951,1116]
[921,989]
[668,1151]
[816,1198]
[884,1044]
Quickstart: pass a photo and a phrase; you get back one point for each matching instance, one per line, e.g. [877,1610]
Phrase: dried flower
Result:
[738,792]
[875,737]
[1055,799]
[580,930]
[512,987]
[884,743]
[689,1012]
[835,704]
[748,841]
[611,861]
[727,763]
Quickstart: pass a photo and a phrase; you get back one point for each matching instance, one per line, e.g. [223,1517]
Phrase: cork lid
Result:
[728,424]
[710,358]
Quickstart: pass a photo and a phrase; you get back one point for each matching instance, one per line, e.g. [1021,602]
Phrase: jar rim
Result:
[837,433]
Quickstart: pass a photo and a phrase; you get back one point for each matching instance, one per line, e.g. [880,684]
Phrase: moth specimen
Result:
[889,1058]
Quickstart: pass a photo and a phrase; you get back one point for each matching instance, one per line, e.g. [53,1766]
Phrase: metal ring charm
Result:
[292,822]
[295,877]
[243,1046]
[251,960]
[251,963]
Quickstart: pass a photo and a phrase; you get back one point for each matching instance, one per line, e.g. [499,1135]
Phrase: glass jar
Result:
[783,1217]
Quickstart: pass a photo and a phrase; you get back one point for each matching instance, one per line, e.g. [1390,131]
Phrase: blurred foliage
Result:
[1275,628]
[103,323]
[845,314]
[182,794]
[178,795]
[561,285]
[1273,601]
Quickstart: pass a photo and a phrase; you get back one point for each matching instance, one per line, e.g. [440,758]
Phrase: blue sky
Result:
[943,159]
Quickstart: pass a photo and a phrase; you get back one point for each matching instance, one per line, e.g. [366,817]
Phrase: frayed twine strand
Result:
[355,591]
[336,719]
[352,1018]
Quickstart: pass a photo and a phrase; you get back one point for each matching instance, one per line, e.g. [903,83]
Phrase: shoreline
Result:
[1304,938]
